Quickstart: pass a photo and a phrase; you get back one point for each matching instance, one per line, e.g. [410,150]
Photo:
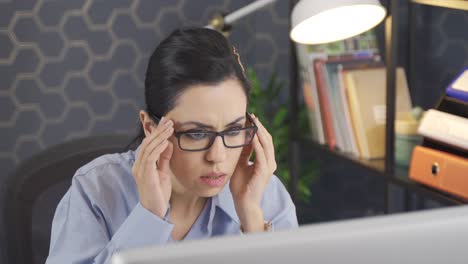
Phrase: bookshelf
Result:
[385,168]
[376,168]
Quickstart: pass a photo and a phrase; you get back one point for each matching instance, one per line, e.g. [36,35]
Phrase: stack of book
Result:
[441,161]
[345,97]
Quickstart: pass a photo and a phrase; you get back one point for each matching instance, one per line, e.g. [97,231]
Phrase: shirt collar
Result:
[225,202]
[134,154]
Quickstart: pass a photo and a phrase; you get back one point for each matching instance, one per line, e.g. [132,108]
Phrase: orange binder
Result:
[440,170]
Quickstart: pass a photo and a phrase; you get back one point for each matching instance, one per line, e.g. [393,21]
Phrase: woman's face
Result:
[216,107]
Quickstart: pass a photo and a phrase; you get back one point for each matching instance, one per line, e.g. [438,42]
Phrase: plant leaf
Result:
[280,116]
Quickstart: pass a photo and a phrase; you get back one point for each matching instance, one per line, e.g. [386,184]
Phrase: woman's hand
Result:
[248,181]
[151,169]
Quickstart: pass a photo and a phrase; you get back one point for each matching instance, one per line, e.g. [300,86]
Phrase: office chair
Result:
[36,187]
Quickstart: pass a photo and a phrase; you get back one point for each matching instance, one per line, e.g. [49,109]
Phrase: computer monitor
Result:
[426,237]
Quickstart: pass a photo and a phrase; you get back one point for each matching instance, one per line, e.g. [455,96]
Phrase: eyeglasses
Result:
[198,140]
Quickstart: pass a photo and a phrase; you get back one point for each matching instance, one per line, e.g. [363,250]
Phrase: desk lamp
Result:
[312,22]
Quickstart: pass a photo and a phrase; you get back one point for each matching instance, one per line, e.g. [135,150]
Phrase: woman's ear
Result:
[146,122]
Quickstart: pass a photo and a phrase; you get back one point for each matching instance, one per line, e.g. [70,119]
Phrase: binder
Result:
[441,170]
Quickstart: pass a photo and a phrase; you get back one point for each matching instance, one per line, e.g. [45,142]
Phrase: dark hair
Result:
[188,56]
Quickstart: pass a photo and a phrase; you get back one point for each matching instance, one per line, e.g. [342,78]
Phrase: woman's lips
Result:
[214,174]
[214,179]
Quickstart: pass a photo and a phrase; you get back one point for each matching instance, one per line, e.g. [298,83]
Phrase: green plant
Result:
[265,104]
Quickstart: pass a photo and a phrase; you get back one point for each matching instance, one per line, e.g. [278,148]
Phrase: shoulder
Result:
[122,160]
[276,199]
[277,192]
[105,175]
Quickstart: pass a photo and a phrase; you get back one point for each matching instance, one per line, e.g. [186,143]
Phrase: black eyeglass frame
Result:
[214,133]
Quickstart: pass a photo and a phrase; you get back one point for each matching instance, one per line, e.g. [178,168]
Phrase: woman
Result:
[190,177]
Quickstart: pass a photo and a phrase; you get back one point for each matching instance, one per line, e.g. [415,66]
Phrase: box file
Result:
[440,170]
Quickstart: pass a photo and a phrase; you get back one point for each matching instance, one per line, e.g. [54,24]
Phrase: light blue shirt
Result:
[101,214]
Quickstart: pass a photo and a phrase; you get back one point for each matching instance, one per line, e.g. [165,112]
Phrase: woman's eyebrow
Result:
[235,121]
[201,125]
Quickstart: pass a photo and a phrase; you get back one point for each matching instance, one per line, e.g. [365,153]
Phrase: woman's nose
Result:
[217,151]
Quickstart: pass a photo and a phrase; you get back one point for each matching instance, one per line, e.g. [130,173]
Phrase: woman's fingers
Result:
[150,142]
[163,136]
[154,155]
[144,143]
[246,154]
[153,188]
[266,141]
[259,153]
[162,126]
[165,156]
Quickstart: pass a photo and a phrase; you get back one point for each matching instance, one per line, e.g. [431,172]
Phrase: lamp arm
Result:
[246,10]
[243,11]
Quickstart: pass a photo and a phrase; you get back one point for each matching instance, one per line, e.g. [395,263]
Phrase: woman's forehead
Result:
[216,106]
[208,120]
[227,96]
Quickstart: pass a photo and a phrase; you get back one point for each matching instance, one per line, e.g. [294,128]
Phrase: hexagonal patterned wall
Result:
[75,68]
[441,51]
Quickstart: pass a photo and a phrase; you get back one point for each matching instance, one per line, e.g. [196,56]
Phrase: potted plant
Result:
[265,103]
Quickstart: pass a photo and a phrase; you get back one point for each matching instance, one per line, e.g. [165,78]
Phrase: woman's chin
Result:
[209,191]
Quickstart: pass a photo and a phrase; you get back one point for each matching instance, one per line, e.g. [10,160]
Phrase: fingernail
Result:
[161,121]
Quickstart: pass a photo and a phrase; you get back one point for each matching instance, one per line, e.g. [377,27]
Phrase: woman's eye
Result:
[233,132]
[196,136]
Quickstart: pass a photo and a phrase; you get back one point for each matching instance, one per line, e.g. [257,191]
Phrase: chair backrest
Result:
[36,187]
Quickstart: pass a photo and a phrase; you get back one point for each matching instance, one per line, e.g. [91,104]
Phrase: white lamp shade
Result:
[323,21]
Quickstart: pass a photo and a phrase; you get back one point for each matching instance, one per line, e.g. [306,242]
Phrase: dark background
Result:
[70,69]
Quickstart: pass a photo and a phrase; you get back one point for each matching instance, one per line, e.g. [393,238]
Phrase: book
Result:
[331,92]
[325,107]
[351,127]
[309,91]
[334,68]
[446,128]
[366,94]
[459,87]
[313,110]
[360,46]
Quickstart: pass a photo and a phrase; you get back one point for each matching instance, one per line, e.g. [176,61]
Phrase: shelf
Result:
[377,168]
[311,147]
[401,178]
[397,176]
[455,4]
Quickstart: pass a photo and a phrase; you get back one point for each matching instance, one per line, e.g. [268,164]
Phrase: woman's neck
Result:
[186,203]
